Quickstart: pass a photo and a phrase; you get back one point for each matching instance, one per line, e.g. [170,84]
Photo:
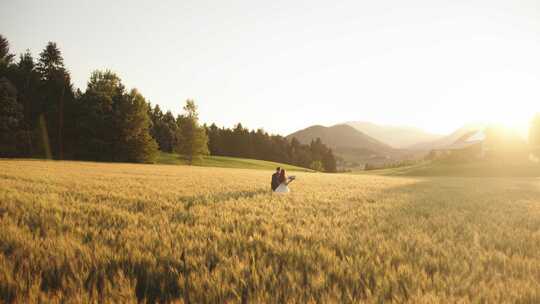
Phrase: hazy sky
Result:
[284,65]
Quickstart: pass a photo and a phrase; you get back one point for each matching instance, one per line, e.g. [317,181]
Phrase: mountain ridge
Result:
[448,139]
[399,137]
[352,146]
[339,136]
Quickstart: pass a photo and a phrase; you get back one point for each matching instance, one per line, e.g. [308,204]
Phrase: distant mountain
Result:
[340,136]
[353,146]
[449,139]
[395,136]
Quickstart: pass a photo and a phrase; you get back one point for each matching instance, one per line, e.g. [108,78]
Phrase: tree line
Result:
[238,142]
[43,115]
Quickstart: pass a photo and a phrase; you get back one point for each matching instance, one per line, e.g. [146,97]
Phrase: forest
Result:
[42,115]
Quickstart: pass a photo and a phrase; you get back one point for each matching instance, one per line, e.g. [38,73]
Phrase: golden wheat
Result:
[75,232]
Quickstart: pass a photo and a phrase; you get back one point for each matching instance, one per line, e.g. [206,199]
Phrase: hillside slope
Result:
[339,137]
[353,146]
[227,162]
[395,136]
[447,140]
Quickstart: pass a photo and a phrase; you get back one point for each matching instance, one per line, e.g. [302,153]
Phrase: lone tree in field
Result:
[534,135]
[192,138]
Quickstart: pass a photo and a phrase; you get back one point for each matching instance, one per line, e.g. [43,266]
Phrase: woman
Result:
[283,183]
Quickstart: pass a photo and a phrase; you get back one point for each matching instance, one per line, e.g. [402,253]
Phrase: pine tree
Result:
[50,62]
[27,81]
[11,119]
[115,125]
[164,129]
[57,95]
[214,140]
[5,56]
[329,161]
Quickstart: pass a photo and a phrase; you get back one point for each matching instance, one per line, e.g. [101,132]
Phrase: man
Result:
[275,179]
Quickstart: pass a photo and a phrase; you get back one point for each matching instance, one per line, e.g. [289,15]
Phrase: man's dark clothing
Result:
[275,181]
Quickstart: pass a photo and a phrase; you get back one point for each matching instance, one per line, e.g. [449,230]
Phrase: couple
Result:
[280,181]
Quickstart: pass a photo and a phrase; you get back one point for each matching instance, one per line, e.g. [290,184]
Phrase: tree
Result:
[241,142]
[5,56]
[27,80]
[50,61]
[193,140]
[98,131]
[317,165]
[115,125]
[214,140]
[164,129]
[11,120]
[329,161]
[135,143]
[534,135]
[56,91]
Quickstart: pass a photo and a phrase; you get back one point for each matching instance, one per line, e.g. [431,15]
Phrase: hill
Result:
[447,140]
[227,162]
[353,146]
[84,232]
[340,136]
[395,136]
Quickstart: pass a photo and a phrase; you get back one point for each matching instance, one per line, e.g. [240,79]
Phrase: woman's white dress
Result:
[282,188]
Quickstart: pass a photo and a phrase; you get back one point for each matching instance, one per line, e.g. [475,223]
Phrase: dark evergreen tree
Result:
[57,94]
[27,80]
[5,56]
[97,127]
[135,144]
[329,161]
[115,125]
[214,140]
[50,62]
[164,129]
[12,132]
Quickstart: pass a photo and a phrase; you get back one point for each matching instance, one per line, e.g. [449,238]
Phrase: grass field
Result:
[226,162]
[77,232]
[473,169]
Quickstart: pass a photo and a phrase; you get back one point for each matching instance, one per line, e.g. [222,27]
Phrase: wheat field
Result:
[76,232]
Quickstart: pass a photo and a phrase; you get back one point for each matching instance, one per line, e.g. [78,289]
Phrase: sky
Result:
[286,65]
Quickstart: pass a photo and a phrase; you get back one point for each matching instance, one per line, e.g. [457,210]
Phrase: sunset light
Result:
[284,151]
